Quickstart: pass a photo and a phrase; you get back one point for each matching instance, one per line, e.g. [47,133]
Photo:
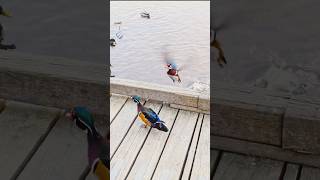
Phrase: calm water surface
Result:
[181,27]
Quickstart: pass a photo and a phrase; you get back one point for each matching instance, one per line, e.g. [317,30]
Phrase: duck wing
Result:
[150,115]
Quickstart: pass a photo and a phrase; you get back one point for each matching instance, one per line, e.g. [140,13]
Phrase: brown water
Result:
[270,44]
[180,26]
[67,28]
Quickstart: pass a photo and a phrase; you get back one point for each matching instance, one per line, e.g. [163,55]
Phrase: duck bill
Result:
[7,14]
[162,128]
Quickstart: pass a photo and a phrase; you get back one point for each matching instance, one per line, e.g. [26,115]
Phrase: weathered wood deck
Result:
[37,142]
[143,153]
[231,166]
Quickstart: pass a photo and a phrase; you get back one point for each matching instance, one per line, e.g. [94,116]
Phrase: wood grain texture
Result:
[129,148]
[21,127]
[310,173]
[177,146]
[291,172]
[192,150]
[121,125]
[234,166]
[149,155]
[63,155]
[116,103]
[201,166]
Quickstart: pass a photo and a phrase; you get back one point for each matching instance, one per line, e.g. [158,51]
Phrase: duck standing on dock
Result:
[148,116]
[215,43]
[98,150]
[4,46]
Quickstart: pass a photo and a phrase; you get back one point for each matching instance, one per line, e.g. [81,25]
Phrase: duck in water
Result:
[173,72]
[4,46]
[145,15]
[215,43]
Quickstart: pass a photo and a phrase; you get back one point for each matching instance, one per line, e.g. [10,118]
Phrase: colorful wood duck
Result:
[4,46]
[215,43]
[98,150]
[173,72]
[149,117]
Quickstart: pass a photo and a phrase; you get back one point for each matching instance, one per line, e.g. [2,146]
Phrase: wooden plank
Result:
[2,105]
[21,127]
[121,125]
[263,150]
[65,143]
[116,103]
[150,153]
[63,155]
[177,146]
[213,160]
[129,148]
[192,150]
[240,167]
[201,166]
[291,172]
[310,173]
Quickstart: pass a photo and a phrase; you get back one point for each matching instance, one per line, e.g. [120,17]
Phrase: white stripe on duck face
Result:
[85,124]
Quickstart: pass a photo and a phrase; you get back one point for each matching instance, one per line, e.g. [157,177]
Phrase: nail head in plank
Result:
[21,126]
[201,166]
[129,148]
[150,153]
[240,167]
[176,148]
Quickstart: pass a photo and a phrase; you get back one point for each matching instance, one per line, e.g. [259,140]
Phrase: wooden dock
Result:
[230,166]
[143,153]
[38,142]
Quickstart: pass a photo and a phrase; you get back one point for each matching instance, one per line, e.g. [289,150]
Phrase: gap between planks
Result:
[36,146]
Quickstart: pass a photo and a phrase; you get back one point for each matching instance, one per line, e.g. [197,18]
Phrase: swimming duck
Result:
[173,72]
[113,42]
[4,46]
[215,43]
[98,150]
[145,15]
[148,116]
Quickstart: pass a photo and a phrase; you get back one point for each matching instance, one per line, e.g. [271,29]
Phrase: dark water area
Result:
[73,29]
[270,44]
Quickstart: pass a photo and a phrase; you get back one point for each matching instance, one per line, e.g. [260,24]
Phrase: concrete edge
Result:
[51,83]
[166,94]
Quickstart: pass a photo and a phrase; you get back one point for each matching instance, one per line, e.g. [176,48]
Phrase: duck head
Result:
[4,13]
[169,66]
[136,98]
[82,118]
